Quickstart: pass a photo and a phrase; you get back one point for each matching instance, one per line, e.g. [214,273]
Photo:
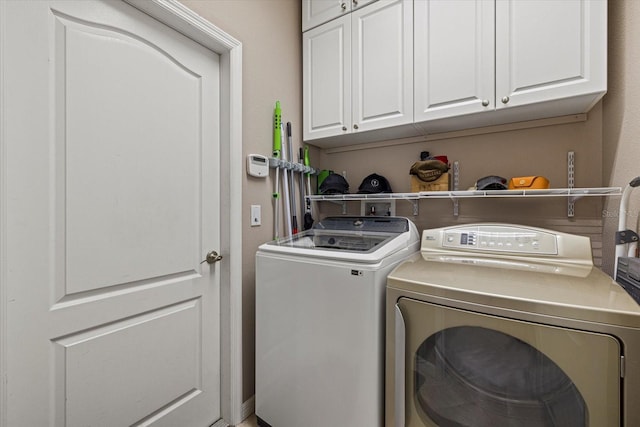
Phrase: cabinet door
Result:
[549,50]
[316,12]
[326,79]
[356,4]
[454,58]
[382,61]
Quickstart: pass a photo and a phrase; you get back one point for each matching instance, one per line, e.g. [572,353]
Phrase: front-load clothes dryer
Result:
[320,321]
[504,325]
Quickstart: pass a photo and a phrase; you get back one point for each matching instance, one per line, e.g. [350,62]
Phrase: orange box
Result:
[441,184]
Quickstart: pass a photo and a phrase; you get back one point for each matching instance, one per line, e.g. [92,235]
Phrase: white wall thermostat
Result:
[257,165]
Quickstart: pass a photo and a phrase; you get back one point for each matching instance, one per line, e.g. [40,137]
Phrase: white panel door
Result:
[454,58]
[382,65]
[326,79]
[549,50]
[111,166]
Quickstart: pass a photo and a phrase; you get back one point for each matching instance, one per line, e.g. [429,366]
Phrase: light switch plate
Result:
[256,215]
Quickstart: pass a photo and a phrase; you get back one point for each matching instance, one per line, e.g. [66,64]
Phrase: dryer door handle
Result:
[400,369]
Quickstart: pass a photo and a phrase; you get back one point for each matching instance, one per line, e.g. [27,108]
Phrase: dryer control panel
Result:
[508,241]
[492,238]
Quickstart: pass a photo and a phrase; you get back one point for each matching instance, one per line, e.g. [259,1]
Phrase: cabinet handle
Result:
[505,99]
[343,6]
[355,3]
[355,126]
[344,128]
[485,102]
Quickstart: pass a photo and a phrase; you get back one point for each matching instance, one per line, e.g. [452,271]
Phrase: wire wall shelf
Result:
[572,194]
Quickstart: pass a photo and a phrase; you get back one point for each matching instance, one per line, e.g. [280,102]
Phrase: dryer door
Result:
[469,369]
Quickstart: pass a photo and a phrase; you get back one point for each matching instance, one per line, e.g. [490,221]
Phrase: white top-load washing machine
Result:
[505,325]
[320,321]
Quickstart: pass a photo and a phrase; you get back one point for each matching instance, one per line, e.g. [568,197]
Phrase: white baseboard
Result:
[248,407]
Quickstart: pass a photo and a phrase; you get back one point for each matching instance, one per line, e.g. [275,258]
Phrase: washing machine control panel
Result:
[493,238]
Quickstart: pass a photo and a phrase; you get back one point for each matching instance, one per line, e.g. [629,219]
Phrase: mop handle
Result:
[285,185]
[292,184]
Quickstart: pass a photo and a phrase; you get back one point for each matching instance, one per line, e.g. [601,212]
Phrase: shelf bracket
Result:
[456,184]
[414,202]
[571,158]
[626,236]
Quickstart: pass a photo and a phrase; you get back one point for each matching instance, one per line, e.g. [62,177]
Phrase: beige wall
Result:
[540,150]
[621,154]
[270,33]
[505,151]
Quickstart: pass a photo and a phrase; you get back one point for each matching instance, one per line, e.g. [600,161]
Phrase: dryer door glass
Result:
[468,369]
[474,376]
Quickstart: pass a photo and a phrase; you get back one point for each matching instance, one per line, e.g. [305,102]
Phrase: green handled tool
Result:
[277,130]
[277,147]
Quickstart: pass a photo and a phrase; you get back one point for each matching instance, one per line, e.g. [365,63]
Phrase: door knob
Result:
[212,257]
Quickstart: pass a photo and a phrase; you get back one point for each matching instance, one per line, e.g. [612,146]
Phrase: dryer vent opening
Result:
[473,376]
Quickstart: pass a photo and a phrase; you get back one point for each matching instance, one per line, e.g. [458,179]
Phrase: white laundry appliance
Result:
[504,325]
[320,321]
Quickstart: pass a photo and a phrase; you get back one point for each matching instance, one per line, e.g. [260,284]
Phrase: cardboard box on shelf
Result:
[441,184]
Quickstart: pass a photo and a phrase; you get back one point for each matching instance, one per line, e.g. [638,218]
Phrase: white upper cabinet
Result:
[430,66]
[550,59]
[358,71]
[382,65]
[316,12]
[551,50]
[454,58]
[326,79]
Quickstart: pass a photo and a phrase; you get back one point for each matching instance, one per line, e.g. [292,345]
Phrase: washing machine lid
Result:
[362,239]
[563,284]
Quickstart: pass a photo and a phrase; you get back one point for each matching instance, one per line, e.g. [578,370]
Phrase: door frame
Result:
[185,21]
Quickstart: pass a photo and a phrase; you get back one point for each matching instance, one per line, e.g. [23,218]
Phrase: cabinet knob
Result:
[355,3]
[355,126]
[344,128]
[505,99]
[343,6]
[485,102]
